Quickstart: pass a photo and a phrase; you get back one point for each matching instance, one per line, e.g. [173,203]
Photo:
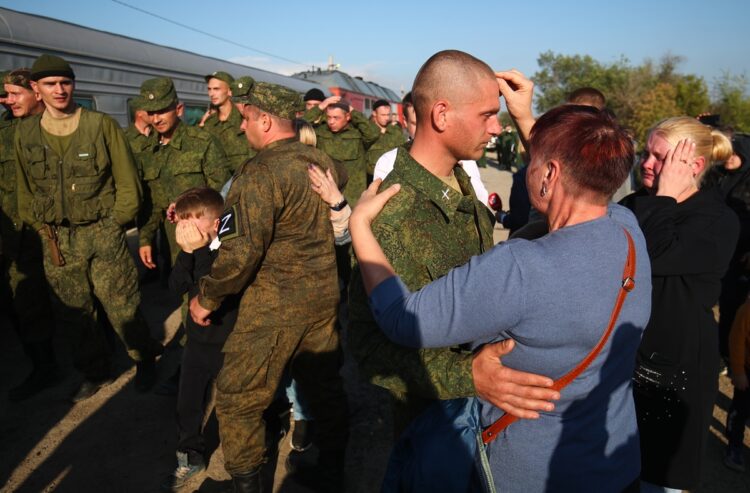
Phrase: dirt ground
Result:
[122,441]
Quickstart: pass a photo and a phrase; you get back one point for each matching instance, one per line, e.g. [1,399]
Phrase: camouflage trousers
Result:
[99,267]
[26,285]
[254,365]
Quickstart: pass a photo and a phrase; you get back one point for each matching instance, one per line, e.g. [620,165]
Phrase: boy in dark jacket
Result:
[197,212]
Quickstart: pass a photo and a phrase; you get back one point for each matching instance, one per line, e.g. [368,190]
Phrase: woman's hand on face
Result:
[324,185]
[677,175]
[371,203]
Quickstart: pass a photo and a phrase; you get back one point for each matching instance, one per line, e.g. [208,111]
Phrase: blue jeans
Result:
[299,407]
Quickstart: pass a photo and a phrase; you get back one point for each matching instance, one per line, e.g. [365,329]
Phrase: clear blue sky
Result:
[387,41]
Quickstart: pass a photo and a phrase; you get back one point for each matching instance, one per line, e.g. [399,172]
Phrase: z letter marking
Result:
[224,220]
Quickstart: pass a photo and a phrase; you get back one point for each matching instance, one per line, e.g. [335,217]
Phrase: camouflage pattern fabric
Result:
[273,98]
[249,381]
[192,158]
[97,263]
[349,147]
[232,138]
[392,137]
[277,249]
[21,270]
[140,145]
[157,94]
[427,229]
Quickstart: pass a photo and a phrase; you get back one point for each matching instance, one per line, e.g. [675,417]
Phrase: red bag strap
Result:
[628,283]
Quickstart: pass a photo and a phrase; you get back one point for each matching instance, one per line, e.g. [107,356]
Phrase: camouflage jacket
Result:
[392,137]
[276,244]
[192,158]
[427,229]
[232,138]
[95,178]
[349,147]
[10,222]
[140,144]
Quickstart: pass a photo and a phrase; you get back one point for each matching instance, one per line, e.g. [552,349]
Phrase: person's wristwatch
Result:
[338,206]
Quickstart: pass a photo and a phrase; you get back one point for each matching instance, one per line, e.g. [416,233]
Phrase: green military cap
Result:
[136,103]
[157,94]
[18,77]
[273,98]
[3,75]
[51,66]
[241,87]
[223,76]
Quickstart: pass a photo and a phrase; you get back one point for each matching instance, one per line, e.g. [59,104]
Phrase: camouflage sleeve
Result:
[314,115]
[152,217]
[245,229]
[23,189]
[216,165]
[370,132]
[443,373]
[128,192]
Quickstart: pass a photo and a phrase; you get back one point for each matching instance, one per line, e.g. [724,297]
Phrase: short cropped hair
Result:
[407,102]
[595,152]
[198,202]
[588,96]
[444,74]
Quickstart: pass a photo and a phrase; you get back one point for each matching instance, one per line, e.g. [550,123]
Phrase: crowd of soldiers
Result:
[73,181]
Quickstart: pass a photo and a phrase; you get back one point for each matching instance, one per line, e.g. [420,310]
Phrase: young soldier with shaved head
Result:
[433,224]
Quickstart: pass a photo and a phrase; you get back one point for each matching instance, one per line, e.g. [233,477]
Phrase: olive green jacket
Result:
[10,222]
[95,179]
[425,230]
[232,138]
[276,244]
[392,137]
[192,158]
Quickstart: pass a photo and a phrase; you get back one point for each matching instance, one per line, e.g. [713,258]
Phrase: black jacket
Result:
[188,269]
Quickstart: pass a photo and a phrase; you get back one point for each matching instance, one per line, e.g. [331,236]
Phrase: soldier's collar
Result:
[445,197]
[279,142]
[179,132]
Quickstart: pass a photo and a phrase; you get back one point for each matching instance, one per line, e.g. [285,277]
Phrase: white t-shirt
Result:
[387,160]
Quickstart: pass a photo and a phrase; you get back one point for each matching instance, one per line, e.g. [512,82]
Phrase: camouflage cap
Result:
[241,87]
[136,103]
[273,98]
[19,77]
[157,94]
[3,92]
[51,66]
[222,76]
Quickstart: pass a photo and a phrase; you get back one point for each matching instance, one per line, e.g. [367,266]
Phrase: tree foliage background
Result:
[641,95]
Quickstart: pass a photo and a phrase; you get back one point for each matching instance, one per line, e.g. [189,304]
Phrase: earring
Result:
[544,191]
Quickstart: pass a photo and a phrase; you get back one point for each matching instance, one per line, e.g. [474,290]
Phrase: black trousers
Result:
[200,366]
[739,412]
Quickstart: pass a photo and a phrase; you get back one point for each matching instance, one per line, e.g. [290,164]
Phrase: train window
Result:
[368,104]
[193,114]
[85,101]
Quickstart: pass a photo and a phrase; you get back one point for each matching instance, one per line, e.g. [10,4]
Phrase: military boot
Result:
[247,483]
[44,372]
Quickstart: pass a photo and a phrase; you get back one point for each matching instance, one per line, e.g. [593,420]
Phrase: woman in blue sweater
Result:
[553,298]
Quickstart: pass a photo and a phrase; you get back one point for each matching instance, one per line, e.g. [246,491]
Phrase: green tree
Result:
[732,102]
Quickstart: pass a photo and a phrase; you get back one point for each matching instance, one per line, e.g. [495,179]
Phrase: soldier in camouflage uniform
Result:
[21,261]
[435,223]
[345,137]
[276,245]
[7,114]
[141,136]
[185,157]
[77,182]
[391,135]
[224,123]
